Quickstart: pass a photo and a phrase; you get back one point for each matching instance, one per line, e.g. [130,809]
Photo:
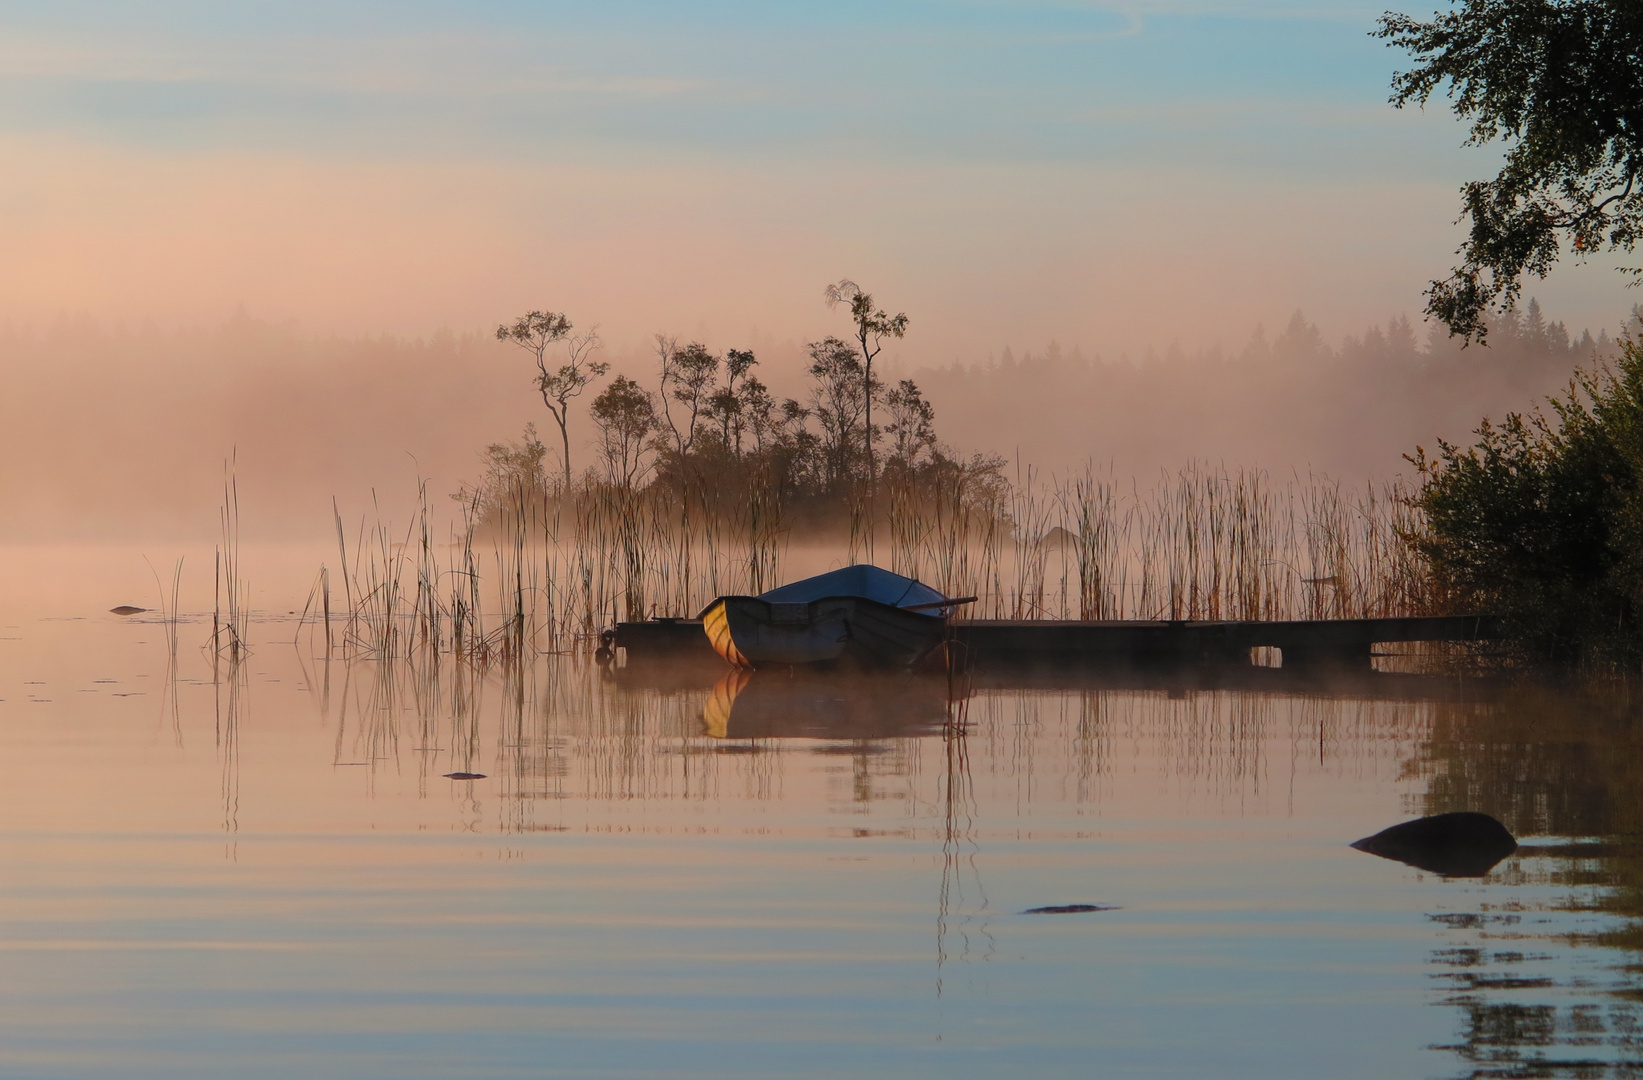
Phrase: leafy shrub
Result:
[1540,523]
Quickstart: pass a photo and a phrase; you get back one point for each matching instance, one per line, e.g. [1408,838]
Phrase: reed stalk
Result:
[1205,542]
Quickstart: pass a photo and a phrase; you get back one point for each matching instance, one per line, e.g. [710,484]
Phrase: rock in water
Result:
[465,776]
[127,609]
[1462,844]
[1068,909]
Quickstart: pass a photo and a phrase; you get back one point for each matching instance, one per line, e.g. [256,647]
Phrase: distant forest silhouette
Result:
[115,432]
[1285,400]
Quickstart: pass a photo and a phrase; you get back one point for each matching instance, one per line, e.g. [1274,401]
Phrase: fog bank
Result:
[122,433]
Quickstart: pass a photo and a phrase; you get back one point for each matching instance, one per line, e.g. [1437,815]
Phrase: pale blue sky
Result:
[953,81]
[1107,172]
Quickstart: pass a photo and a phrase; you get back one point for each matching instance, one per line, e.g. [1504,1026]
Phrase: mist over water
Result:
[120,432]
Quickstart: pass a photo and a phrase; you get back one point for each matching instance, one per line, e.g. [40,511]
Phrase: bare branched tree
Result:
[872,327]
[536,332]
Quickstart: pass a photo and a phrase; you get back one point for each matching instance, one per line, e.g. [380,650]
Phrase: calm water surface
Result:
[262,871]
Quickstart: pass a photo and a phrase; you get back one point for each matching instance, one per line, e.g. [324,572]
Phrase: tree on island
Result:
[535,332]
[625,414]
[1559,81]
[708,437]
[872,327]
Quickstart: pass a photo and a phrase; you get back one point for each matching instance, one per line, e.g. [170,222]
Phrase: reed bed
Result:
[519,574]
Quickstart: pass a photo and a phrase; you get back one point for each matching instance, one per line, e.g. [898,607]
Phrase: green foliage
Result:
[1559,81]
[1541,521]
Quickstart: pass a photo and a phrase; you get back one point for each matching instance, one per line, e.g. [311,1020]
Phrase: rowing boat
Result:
[860,615]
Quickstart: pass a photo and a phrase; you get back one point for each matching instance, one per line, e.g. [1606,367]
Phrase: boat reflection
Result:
[805,705]
[1536,961]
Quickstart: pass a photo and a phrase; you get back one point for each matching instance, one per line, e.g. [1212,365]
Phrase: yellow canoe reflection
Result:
[716,713]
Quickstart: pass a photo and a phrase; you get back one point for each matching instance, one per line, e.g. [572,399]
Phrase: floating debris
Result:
[1462,844]
[1069,909]
[465,776]
[127,609]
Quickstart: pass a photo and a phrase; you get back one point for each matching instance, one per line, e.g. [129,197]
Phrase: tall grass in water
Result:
[229,627]
[530,574]
[1202,543]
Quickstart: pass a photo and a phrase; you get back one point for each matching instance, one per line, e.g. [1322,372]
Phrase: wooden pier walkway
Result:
[1336,642]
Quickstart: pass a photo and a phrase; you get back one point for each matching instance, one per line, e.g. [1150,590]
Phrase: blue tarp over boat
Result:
[863,580]
[859,614]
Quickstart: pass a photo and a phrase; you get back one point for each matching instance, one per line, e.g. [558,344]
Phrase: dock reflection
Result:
[684,675]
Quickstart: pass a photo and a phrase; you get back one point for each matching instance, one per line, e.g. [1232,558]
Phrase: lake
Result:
[262,869]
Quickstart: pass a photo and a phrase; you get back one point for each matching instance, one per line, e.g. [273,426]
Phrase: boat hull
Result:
[753,633]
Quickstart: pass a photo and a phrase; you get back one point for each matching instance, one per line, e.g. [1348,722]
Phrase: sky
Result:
[283,233]
[1006,172]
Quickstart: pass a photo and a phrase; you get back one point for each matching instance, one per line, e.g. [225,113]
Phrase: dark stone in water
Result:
[1069,909]
[127,609]
[1462,844]
[465,775]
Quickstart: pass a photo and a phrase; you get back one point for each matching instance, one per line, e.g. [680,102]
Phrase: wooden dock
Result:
[1309,642]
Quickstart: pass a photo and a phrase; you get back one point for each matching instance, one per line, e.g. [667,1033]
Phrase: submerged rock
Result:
[1069,909]
[1462,844]
[127,609]
[465,776]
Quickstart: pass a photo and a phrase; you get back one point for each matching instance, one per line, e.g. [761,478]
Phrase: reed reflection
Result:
[1537,962]
[962,907]
[563,729]
[229,708]
[865,716]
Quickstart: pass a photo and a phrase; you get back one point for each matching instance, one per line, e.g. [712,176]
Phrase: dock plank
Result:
[1305,641]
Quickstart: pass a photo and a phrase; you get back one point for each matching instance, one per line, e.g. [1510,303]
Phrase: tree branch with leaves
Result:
[1559,81]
